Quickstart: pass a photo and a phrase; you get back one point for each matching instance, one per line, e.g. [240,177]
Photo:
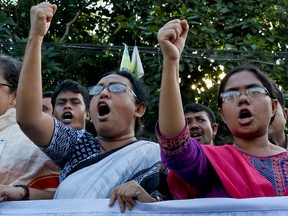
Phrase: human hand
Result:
[11,193]
[128,193]
[40,18]
[172,37]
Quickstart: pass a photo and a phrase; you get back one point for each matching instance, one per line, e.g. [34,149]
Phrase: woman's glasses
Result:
[114,88]
[231,96]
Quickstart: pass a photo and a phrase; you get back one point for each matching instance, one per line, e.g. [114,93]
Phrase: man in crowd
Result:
[202,122]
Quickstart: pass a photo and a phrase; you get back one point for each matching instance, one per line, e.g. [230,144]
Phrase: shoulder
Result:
[219,149]
[147,143]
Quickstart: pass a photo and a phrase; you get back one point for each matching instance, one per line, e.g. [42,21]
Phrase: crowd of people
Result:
[53,150]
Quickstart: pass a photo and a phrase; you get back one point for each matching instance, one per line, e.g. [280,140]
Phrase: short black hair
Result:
[138,88]
[47,94]
[196,107]
[73,86]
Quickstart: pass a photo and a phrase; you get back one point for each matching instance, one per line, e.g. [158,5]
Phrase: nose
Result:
[68,105]
[105,93]
[193,124]
[243,98]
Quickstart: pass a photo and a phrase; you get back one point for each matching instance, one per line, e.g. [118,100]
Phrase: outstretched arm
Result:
[36,125]
[171,38]
[12,193]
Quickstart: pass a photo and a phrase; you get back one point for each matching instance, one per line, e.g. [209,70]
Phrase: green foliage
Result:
[222,35]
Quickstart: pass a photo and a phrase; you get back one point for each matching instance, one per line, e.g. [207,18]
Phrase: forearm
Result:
[171,38]
[171,115]
[23,192]
[29,94]
[40,194]
[36,125]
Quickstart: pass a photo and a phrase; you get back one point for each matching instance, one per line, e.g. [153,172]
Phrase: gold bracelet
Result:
[26,191]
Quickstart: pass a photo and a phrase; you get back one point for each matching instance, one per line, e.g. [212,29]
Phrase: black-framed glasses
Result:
[114,88]
[253,92]
[6,84]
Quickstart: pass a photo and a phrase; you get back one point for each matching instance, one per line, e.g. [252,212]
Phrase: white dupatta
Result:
[100,179]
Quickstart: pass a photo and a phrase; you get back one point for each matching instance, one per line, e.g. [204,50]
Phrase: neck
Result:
[281,140]
[260,146]
[108,144]
[254,146]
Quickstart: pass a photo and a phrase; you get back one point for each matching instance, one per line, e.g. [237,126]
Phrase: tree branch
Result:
[69,24]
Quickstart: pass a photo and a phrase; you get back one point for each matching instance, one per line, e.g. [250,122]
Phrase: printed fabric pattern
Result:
[190,163]
[69,147]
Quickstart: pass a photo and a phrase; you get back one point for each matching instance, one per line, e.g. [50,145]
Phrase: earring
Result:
[13,102]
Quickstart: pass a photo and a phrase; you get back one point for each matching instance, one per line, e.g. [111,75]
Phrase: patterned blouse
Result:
[69,147]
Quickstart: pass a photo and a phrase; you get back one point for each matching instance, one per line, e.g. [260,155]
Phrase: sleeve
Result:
[185,156]
[59,149]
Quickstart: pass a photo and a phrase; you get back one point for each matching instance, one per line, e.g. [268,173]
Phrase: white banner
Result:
[276,206]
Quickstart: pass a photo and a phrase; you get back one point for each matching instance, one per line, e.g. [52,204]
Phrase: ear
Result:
[13,98]
[140,110]
[222,115]
[14,95]
[214,129]
[274,106]
[285,112]
[87,117]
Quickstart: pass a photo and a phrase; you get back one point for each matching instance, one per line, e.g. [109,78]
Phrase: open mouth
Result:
[195,134]
[67,116]
[103,109]
[244,114]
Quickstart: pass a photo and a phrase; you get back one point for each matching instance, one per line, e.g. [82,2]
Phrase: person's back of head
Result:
[46,102]
[47,94]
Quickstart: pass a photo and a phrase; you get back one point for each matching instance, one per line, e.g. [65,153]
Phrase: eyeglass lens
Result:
[115,88]
[233,95]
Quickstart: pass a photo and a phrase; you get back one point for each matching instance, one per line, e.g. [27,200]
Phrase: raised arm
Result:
[171,38]
[36,125]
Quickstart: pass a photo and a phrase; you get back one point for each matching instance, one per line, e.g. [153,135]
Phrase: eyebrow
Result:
[246,87]
[110,83]
[67,99]
[198,116]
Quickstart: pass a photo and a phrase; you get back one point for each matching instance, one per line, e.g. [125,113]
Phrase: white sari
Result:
[100,179]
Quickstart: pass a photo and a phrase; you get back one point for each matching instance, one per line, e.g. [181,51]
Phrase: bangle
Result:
[26,191]
[158,198]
